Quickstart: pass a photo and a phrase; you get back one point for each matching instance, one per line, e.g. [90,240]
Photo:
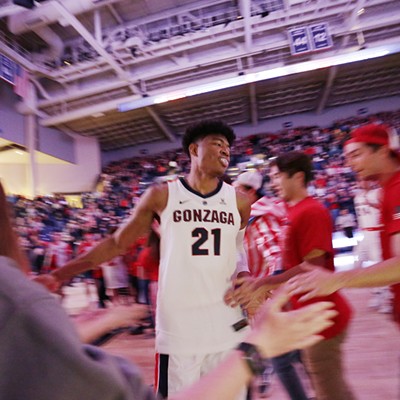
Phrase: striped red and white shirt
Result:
[263,236]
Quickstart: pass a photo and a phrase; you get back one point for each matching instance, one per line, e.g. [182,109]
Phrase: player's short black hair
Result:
[205,128]
[295,161]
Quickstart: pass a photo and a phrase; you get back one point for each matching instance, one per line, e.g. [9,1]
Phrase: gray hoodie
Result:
[41,356]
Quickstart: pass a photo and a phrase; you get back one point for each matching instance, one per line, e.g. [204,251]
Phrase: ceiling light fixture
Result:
[98,115]
[340,59]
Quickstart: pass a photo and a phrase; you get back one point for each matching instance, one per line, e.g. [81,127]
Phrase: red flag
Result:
[21,81]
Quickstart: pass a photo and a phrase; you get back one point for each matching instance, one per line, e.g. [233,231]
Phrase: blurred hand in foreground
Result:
[48,281]
[276,331]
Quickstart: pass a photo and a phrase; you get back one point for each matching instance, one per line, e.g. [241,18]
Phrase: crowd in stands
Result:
[47,220]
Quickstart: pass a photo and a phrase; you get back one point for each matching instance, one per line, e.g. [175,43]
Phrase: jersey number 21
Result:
[200,248]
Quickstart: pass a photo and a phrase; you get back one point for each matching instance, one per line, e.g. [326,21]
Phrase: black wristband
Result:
[253,357]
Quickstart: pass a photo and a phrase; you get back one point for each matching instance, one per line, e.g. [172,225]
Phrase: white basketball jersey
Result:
[367,205]
[198,258]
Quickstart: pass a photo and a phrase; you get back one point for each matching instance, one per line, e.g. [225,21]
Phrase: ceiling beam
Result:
[76,24]
[114,13]
[162,125]
[253,104]
[97,26]
[82,112]
[81,93]
[327,89]
[244,6]
[9,9]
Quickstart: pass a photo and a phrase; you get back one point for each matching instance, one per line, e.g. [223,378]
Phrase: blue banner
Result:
[299,41]
[320,37]
[7,69]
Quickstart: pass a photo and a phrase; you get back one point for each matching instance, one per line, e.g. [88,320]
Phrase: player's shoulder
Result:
[155,197]
[241,197]
[243,204]
[158,188]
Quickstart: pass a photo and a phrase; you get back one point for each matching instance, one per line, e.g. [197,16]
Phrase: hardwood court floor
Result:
[371,353]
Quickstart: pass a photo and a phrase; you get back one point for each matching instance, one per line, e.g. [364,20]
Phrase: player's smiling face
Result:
[213,152]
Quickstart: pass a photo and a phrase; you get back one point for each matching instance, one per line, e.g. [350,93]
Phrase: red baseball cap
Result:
[376,134]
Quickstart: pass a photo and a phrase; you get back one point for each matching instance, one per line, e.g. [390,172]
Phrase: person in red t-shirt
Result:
[373,152]
[307,236]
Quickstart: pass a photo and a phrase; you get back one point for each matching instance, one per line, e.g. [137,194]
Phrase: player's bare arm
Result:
[244,207]
[152,201]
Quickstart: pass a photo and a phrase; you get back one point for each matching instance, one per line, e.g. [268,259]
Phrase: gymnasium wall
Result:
[81,156]
[81,176]
[11,123]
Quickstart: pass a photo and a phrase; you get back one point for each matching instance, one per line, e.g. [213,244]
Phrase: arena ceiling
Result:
[88,58]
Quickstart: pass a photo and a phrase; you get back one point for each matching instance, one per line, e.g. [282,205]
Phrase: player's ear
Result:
[193,148]
[301,177]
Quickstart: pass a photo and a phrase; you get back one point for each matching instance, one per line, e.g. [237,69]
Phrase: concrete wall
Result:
[82,155]
[11,123]
[56,143]
[14,178]
[78,177]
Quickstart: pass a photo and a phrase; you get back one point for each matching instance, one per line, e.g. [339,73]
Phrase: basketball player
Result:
[373,153]
[368,251]
[367,205]
[202,224]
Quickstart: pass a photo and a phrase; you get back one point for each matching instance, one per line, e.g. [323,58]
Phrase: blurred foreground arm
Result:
[317,281]
[275,332]
[116,317]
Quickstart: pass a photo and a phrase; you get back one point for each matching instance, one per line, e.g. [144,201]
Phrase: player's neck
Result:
[202,183]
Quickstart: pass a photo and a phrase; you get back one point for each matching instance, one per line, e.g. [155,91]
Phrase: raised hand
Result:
[314,282]
[276,331]
[246,291]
